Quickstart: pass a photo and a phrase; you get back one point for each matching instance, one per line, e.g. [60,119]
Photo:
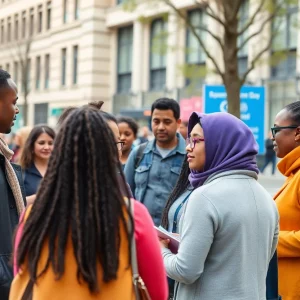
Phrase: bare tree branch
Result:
[252,18]
[199,39]
[268,20]
[258,56]
[210,12]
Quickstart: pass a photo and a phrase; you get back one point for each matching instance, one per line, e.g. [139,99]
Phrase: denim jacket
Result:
[155,177]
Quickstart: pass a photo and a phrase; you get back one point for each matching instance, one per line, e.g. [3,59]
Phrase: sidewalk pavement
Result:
[271,183]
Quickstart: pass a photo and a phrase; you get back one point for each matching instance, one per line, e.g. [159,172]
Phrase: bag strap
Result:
[140,154]
[134,263]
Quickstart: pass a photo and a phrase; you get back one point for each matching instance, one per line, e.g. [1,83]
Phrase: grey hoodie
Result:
[229,233]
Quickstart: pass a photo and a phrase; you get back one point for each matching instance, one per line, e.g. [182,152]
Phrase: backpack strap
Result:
[140,155]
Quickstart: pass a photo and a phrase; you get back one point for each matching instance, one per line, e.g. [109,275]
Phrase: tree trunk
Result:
[233,96]
[231,75]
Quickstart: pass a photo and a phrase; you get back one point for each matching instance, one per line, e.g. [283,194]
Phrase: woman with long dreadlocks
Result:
[75,241]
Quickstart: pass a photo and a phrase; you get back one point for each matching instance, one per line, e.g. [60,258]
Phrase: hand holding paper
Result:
[173,238]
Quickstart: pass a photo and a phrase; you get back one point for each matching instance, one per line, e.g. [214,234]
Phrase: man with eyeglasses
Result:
[152,169]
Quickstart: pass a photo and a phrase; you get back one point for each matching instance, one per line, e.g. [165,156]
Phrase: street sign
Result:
[252,107]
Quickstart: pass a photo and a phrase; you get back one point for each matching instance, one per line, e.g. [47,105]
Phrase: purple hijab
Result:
[229,145]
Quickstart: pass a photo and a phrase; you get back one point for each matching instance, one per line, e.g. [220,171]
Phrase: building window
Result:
[41,113]
[48,15]
[2,32]
[31,24]
[47,71]
[16,27]
[65,11]
[120,1]
[8,29]
[16,72]
[243,53]
[284,47]
[40,20]
[125,40]
[7,68]
[23,24]
[38,73]
[195,55]
[158,55]
[75,64]
[76,10]
[63,66]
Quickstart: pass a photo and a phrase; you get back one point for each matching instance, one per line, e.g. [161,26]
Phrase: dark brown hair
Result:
[27,157]
[79,196]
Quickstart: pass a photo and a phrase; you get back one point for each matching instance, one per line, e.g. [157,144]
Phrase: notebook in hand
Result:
[174,240]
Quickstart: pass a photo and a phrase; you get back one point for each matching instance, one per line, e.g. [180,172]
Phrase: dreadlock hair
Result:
[294,111]
[80,197]
[181,186]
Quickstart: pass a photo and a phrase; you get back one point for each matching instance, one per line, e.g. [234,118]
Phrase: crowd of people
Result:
[78,204]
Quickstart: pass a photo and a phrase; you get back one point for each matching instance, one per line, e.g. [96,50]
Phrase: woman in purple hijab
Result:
[229,228]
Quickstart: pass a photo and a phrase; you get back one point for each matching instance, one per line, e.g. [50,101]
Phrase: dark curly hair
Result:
[80,195]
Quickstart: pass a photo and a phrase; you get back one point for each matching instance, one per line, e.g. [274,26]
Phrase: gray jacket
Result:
[229,233]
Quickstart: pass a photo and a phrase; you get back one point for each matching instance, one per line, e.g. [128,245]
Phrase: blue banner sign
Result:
[252,107]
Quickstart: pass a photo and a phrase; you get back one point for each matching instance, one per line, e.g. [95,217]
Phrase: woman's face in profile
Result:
[196,149]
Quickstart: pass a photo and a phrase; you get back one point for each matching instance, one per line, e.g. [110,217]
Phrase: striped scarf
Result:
[12,177]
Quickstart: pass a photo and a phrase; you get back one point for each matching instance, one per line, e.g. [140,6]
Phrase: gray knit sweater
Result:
[229,233]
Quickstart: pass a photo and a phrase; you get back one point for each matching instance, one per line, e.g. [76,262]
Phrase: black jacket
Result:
[9,219]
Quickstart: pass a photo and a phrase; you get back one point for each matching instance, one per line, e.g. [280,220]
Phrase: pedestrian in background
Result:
[35,158]
[270,155]
[286,139]
[76,233]
[128,133]
[183,129]
[153,168]
[229,228]
[12,199]
[20,139]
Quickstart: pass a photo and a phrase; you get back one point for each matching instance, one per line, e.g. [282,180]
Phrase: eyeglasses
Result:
[276,129]
[191,142]
[120,145]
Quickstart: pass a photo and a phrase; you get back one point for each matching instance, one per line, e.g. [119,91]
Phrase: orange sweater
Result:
[68,287]
[288,203]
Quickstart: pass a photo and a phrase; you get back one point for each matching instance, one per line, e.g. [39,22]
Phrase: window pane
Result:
[47,71]
[125,40]
[75,64]
[293,30]
[41,113]
[279,42]
[158,44]
[38,72]
[124,83]
[63,66]
[195,53]
[48,15]
[243,19]
[158,79]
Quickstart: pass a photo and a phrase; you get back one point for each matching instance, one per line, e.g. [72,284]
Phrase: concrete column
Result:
[137,62]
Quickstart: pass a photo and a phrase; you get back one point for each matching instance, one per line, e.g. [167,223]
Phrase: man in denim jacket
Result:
[155,176]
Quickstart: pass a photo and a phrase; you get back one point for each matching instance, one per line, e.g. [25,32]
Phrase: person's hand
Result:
[164,243]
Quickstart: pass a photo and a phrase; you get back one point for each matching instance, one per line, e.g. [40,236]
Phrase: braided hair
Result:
[80,197]
[180,187]
[294,111]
